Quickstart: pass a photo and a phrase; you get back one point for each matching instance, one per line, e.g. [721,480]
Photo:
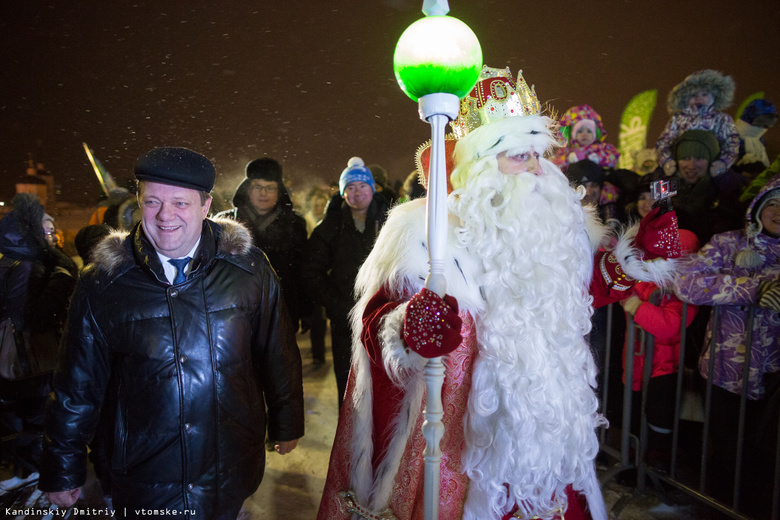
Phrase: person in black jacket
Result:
[36,285]
[179,326]
[262,203]
[335,251]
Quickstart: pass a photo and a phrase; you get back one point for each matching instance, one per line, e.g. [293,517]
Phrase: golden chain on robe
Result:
[351,505]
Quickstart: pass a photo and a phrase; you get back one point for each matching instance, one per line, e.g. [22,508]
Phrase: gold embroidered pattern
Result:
[614,267]
[559,511]
[351,505]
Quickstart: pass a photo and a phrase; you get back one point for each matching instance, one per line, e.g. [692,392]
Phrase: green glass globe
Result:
[437,54]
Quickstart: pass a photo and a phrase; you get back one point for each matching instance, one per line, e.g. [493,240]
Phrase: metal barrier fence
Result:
[631,454]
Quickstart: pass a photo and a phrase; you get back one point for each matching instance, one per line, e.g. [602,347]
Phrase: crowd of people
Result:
[186,313]
[725,197]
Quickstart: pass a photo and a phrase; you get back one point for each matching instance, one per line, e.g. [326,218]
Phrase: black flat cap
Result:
[177,167]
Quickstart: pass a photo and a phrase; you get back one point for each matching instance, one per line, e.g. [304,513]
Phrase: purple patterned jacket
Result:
[712,278]
[719,123]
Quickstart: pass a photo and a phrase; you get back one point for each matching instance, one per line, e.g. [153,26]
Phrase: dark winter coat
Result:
[35,287]
[283,242]
[23,274]
[36,279]
[336,250]
[193,365]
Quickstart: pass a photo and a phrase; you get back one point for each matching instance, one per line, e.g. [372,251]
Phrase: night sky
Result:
[311,84]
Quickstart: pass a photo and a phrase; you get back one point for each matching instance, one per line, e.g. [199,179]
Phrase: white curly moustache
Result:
[530,427]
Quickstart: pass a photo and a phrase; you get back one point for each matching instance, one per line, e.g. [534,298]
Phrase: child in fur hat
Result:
[584,136]
[696,104]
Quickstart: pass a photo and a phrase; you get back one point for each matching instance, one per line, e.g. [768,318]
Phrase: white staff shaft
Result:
[436,228]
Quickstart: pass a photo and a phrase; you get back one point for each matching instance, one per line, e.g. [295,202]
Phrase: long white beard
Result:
[530,426]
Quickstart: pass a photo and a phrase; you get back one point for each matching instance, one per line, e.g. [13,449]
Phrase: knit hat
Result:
[356,171]
[572,116]
[176,167]
[264,168]
[760,111]
[701,144]
[585,171]
[771,195]
[589,123]
[748,257]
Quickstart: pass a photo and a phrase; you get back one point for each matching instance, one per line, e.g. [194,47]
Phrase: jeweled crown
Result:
[495,96]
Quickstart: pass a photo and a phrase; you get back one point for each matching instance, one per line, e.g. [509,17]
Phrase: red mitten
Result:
[431,324]
[658,235]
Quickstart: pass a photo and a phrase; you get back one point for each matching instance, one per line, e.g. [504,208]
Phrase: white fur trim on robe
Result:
[659,271]
[598,233]
[400,362]
[399,260]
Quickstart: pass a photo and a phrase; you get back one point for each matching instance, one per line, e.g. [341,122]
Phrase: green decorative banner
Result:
[633,126]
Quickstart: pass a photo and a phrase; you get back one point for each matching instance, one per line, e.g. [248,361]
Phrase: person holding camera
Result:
[700,201]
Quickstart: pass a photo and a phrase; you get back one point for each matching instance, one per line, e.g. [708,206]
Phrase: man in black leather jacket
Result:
[188,354]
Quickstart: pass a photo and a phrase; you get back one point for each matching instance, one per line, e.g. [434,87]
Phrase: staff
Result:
[437,62]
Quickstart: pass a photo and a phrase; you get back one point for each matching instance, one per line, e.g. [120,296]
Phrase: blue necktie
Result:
[180,264]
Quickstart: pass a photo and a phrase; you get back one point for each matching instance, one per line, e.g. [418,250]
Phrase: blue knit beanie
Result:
[356,171]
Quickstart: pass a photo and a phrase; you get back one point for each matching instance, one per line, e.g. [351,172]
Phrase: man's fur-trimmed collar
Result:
[115,250]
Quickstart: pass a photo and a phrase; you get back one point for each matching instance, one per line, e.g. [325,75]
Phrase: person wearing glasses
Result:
[49,230]
[37,281]
[262,203]
[56,254]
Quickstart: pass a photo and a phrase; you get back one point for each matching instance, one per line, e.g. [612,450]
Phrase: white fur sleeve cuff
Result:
[659,271]
[399,360]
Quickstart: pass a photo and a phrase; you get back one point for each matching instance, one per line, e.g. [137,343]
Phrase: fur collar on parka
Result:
[721,87]
[122,250]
